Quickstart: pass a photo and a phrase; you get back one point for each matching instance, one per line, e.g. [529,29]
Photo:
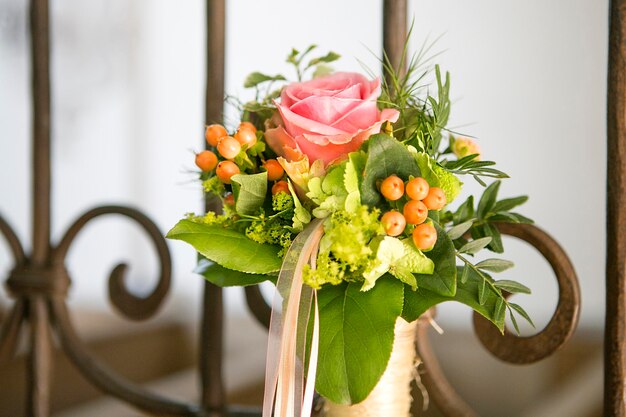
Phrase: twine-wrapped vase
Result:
[391,397]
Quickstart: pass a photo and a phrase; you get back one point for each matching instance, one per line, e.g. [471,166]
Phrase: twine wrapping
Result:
[391,397]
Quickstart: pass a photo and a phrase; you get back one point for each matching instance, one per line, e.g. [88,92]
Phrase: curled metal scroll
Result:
[107,380]
[258,305]
[13,241]
[132,306]
[523,350]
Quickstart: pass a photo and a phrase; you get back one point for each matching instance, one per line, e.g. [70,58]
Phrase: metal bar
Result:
[615,325]
[212,329]
[105,379]
[40,43]
[395,31]
[40,360]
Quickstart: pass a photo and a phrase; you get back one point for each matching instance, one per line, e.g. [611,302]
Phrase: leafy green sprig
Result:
[474,229]
[262,107]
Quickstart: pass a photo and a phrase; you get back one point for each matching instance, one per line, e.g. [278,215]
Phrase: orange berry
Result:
[425,236]
[225,170]
[274,170]
[415,212]
[280,187]
[393,222]
[246,136]
[229,200]
[392,188]
[229,147]
[417,188]
[206,161]
[214,133]
[436,199]
[247,125]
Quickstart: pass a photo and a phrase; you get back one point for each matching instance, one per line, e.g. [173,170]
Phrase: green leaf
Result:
[257,78]
[437,176]
[509,203]
[223,277]
[475,245]
[496,238]
[229,248]
[482,293]
[356,337]
[386,156]
[495,265]
[443,279]
[460,229]
[513,287]
[499,311]
[328,58]
[522,313]
[301,216]
[465,211]
[488,199]
[465,274]
[400,258]
[513,320]
[418,302]
[322,70]
[250,192]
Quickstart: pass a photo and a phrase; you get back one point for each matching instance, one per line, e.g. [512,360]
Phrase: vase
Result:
[392,394]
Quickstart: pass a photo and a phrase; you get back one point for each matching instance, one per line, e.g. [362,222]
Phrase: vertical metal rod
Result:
[395,31]
[40,49]
[39,361]
[212,310]
[615,326]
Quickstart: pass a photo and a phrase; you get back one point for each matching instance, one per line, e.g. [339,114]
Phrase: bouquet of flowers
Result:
[340,186]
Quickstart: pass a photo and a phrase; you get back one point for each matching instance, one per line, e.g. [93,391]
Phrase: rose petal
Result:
[296,125]
[325,110]
[277,139]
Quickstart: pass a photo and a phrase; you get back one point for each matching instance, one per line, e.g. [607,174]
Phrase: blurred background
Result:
[528,80]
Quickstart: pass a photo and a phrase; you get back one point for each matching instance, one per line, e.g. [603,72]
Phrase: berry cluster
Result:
[228,148]
[418,197]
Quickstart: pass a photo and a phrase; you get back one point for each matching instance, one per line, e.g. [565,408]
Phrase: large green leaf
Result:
[231,249]
[356,337]
[223,277]
[418,302]
[443,280]
[250,192]
[386,156]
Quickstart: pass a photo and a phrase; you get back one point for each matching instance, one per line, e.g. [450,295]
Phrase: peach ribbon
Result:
[287,394]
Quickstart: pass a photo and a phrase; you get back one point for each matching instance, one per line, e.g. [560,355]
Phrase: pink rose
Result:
[328,117]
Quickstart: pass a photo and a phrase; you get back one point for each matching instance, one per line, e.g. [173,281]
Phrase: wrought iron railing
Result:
[39,281]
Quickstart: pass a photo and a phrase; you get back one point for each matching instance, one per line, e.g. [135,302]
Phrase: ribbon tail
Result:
[284,374]
[307,403]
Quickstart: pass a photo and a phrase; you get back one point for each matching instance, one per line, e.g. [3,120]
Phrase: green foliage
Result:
[301,216]
[214,186]
[356,337]
[398,257]
[256,78]
[227,247]
[345,252]
[443,279]
[385,156]
[339,188]
[488,288]
[418,302]
[268,230]
[283,205]
[250,192]
[469,165]
[224,277]
[437,176]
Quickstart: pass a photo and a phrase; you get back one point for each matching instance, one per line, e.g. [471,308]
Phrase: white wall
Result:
[528,79]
